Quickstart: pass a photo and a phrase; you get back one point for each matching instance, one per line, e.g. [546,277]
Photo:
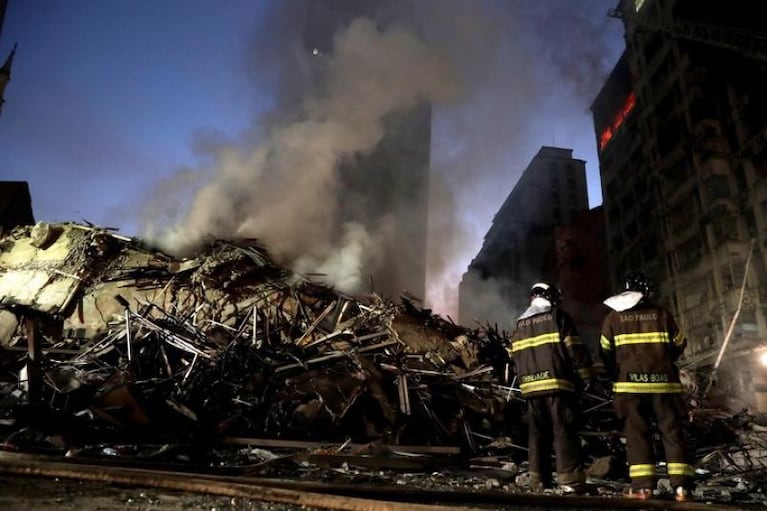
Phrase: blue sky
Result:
[108,98]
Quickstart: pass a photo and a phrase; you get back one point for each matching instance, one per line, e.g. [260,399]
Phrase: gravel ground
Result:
[40,494]
[44,494]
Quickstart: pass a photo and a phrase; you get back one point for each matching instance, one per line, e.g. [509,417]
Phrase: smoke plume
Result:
[503,78]
[286,190]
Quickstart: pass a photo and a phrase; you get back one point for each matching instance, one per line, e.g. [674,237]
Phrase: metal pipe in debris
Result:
[732,322]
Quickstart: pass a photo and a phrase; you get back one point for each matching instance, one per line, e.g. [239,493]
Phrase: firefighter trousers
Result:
[639,413]
[552,422]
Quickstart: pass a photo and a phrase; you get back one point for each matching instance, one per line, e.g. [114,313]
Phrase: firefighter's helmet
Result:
[638,281]
[547,291]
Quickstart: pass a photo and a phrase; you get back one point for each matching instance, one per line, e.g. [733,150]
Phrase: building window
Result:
[652,47]
[614,214]
[747,320]
[570,176]
[631,229]
[703,109]
[670,261]
[694,294]
[684,216]
[617,243]
[677,175]
[689,252]
[733,272]
[724,226]
[649,252]
[717,187]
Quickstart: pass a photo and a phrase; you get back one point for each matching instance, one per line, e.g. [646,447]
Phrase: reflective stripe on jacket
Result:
[548,354]
[639,347]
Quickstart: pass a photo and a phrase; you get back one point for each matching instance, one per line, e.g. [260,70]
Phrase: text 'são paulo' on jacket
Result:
[547,352]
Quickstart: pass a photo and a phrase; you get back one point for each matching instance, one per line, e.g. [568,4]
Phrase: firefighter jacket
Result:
[639,346]
[548,354]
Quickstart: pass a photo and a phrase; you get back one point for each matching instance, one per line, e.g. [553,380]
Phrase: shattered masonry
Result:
[230,343]
[105,341]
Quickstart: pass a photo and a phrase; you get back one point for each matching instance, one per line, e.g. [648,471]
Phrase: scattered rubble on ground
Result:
[112,348]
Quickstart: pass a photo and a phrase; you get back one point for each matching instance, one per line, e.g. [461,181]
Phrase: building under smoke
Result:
[681,125]
[390,185]
[550,192]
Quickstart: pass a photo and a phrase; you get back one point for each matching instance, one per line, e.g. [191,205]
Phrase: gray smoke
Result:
[534,68]
[518,68]
[285,190]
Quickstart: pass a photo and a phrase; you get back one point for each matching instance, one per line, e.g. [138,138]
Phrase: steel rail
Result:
[352,497]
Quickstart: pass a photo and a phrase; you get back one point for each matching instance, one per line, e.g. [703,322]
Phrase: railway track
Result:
[351,497]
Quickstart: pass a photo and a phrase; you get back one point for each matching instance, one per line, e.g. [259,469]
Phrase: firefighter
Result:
[639,345]
[552,365]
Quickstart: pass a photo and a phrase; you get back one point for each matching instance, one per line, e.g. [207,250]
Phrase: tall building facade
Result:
[681,125]
[514,254]
[390,185]
[577,262]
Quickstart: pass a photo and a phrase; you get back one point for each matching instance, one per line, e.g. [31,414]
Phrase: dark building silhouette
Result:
[515,253]
[681,124]
[5,69]
[15,205]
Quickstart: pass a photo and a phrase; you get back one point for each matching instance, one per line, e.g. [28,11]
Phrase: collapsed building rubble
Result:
[108,342]
[225,343]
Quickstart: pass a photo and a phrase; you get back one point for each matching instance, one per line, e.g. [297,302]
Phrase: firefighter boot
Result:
[682,494]
[639,493]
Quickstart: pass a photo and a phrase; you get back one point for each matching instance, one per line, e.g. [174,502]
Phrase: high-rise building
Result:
[389,185]
[551,192]
[681,126]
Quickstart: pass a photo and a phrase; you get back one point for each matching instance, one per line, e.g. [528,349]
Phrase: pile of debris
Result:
[115,338]
[106,342]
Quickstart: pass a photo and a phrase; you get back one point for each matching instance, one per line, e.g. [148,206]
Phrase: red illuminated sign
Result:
[607,133]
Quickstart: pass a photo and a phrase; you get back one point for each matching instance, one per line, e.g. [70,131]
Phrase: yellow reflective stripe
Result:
[605,342]
[645,470]
[572,340]
[548,384]
[585,372]
[680,469]
[647,338]
[647,388]
[533,342]
[679,339]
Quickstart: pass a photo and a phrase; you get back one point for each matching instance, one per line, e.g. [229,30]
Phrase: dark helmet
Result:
[547,291]
[638,281]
